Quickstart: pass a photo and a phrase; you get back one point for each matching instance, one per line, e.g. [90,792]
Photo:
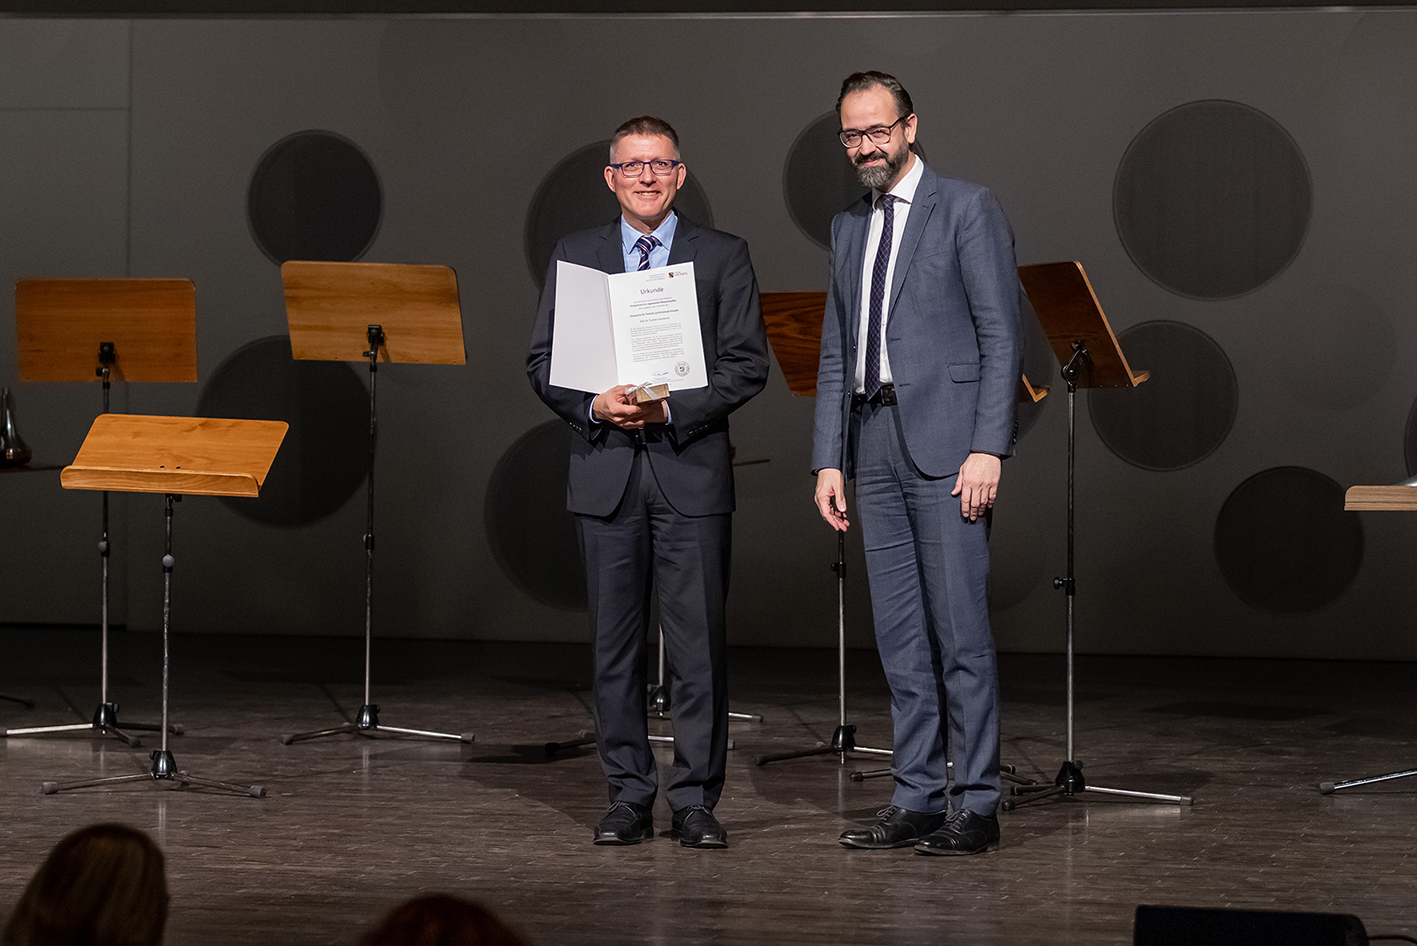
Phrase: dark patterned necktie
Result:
[644,244]
[872,375]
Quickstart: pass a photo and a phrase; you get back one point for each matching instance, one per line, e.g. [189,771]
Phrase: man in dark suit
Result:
[921,356]
[651,486]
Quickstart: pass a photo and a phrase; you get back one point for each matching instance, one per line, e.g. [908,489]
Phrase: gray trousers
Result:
[928,568]
[643,547]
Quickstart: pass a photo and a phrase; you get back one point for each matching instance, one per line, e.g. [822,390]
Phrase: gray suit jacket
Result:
[953,333]
[690,456]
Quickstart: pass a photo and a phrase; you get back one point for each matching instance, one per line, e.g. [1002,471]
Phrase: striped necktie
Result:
[644,244]
[872,375]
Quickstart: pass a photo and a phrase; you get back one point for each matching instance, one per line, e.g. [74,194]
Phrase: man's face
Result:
[646,197]
[877,165]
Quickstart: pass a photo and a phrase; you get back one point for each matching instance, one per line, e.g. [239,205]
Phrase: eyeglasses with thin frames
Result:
[660,166]
[879,135]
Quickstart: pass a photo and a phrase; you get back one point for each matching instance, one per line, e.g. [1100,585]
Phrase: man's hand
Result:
[618,406]
[831,498]
[977,485]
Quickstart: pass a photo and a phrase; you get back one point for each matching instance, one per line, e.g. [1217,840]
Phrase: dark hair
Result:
[860,81]
[644,125]
[441,920]
[101,886]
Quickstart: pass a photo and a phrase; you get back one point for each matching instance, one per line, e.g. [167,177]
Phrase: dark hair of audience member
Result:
[101,886]
[441,920]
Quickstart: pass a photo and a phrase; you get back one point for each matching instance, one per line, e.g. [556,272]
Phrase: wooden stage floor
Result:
[353,825]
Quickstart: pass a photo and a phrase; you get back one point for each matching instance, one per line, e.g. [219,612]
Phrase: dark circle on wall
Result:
[1409,442]
[818,181]
[1285,544]
[325,454]
[532,535]
[1179,415]
[314,196]
[1212,199]
[573,196]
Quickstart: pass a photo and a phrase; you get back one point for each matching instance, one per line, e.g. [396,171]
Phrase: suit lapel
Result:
[610,257]
[686,240]
[853,250]
[920,210]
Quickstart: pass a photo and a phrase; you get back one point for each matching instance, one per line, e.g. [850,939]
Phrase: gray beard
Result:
[879,176]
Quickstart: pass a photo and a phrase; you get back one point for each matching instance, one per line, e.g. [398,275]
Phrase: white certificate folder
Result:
[626,328]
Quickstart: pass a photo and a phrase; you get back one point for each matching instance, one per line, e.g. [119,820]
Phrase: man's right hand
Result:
[831,498]
[619,407]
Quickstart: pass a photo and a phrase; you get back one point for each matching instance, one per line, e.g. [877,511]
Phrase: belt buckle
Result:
[886,396]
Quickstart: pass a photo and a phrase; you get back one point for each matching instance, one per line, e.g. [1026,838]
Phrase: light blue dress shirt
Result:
[659,256]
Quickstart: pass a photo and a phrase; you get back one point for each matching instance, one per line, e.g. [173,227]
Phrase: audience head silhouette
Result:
[441,920]
[101,886]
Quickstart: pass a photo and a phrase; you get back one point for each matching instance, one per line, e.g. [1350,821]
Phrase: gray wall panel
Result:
[63,212]
[64,64]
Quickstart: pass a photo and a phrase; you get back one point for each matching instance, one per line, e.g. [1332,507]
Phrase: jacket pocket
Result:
[965,372]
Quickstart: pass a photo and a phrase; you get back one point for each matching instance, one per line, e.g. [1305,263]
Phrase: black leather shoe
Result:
[963,833]
[625,823]
[898,827]
[696,826]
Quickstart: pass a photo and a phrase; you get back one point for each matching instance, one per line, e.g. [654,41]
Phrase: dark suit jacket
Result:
[689,456]
[953,333]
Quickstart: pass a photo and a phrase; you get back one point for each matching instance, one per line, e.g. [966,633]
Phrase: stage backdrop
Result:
[1238,185]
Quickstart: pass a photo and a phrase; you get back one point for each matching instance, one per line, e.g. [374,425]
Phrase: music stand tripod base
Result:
[368,725]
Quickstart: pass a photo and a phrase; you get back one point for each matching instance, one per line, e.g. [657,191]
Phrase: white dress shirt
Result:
[904,192]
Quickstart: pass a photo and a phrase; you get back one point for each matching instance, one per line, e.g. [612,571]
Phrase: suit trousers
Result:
[928,568]
[643,547]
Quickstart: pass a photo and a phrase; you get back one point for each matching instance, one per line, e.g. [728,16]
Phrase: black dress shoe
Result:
[696,826]
[898,827]
[964,833]
[625,823]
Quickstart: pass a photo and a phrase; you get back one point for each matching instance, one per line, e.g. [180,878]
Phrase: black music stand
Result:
[1090,357]
[123,329]
[174,456]
[379,312]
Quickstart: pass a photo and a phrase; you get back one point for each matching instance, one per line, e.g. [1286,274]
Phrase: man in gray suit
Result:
[651,486]
[920,361]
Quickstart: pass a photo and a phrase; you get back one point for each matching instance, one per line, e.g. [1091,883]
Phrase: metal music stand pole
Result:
[844,737]
[1399,498]
[173,456]
[60,322]
[405,314]
[1088,351]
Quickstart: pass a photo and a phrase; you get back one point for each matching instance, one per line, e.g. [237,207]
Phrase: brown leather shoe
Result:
[964,832]
[898,827]
[625,823]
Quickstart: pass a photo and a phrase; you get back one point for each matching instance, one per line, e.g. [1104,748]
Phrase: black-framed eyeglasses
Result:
[660,166]
[881,134]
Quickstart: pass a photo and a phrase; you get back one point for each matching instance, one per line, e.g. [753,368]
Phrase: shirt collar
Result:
[905,190]
[664,233]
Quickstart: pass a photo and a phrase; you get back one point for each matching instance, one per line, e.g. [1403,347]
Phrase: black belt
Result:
[885,397]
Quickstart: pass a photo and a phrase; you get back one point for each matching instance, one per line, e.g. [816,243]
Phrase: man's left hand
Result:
[977,485]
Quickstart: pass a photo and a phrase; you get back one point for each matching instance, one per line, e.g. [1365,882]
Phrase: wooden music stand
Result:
[105,329]
[1399,498]
[174,456]
[379,312]
[1087,350]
